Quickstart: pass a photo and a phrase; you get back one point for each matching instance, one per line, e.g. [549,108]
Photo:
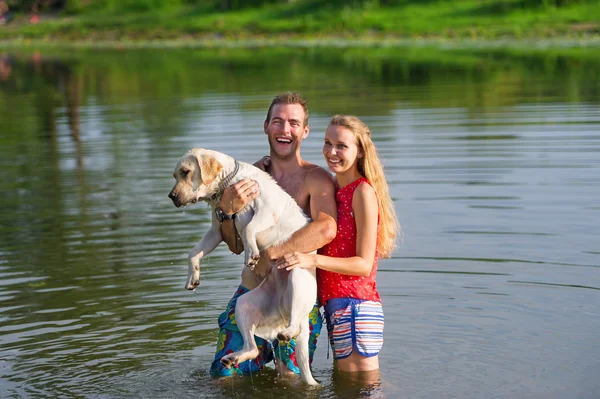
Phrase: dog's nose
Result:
[175,199]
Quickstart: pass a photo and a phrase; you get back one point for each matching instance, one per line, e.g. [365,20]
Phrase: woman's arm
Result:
[365,210]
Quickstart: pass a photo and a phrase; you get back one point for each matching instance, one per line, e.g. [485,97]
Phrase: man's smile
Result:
[283,140]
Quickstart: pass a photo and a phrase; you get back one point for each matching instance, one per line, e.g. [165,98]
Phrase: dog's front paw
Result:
[193,280]
[192,285]
[252,262]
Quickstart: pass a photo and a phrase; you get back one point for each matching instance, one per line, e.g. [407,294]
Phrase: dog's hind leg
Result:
[247,315]
[302,296]
[302,355]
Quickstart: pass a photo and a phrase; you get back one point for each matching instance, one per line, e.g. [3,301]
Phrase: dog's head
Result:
[195,177]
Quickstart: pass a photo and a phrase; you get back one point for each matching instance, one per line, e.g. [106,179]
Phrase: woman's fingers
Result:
[287,262]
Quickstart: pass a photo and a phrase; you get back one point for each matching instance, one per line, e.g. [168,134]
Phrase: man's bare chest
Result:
[297,189]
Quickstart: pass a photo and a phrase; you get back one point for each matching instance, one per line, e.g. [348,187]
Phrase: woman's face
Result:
[340,149]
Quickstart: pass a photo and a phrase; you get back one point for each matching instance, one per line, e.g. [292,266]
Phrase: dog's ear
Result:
[209,168]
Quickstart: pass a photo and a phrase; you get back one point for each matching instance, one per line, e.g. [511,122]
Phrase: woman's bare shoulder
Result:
[365,193]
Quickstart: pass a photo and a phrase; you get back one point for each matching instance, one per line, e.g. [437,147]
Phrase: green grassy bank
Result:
[144,21]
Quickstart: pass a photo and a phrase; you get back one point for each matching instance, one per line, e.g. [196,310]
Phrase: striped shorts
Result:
[354,323]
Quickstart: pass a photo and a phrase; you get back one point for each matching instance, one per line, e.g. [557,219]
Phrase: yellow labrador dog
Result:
[279,306]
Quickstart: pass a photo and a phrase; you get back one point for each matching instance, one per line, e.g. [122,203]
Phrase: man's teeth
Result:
[282,140]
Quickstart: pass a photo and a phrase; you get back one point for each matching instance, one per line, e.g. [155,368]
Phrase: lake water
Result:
[493,159]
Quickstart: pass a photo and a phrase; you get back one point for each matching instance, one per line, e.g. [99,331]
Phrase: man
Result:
[286,126]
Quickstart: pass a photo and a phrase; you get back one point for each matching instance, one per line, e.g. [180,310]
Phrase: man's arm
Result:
[366,217]
[323,227]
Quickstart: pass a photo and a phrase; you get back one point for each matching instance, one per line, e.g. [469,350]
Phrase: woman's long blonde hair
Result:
[370,167]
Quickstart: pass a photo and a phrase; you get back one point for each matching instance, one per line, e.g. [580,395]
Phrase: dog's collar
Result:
[225,182]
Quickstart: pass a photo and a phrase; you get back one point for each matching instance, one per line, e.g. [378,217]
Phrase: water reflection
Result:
[5,66]
[491,158]
[357,385]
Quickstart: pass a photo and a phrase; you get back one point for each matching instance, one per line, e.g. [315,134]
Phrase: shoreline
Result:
[211,42]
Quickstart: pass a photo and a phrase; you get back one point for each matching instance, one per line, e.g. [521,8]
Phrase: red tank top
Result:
[336,285]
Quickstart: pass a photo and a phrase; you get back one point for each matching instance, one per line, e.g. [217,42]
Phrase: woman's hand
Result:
[297,259]
[237,196]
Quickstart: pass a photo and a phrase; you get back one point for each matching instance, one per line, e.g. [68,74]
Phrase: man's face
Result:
[286,130]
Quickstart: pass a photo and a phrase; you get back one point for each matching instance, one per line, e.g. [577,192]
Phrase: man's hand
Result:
[237,196]
[233,201]
[264,163]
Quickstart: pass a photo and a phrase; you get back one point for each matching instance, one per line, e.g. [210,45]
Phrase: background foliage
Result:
[174,19]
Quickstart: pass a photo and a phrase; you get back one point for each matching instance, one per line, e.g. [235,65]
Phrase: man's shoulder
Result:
[316,174]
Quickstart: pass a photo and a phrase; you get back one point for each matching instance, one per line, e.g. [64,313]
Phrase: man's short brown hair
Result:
[289,97]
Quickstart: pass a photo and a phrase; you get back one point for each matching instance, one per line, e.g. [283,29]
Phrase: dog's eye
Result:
[185,172]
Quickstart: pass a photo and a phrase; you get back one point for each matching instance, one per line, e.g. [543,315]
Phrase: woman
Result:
[347,267]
